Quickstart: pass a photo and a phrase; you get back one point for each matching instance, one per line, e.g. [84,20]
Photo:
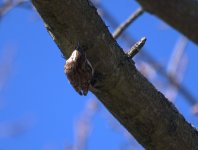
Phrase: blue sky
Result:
[38,97]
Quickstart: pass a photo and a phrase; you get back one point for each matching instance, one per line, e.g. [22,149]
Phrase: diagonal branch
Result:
[181,14]
[143,110]
[125,24]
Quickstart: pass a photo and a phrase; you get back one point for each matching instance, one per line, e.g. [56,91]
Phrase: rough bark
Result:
[135,102]
[181,14]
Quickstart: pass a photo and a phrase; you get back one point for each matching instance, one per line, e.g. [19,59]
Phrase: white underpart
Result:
[74,55]
[72,58]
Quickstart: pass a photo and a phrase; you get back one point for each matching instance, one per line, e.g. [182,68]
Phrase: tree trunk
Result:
[140,108]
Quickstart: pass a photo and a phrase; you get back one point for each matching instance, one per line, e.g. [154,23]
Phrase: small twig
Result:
[136,48]
[126,23]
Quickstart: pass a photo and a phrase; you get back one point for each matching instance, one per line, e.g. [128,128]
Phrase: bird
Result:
[79,71]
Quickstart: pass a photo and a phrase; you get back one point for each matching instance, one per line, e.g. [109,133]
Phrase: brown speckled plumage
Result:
[79,71]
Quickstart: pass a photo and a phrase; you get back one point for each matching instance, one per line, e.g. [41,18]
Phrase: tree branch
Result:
[181,14]
[126,23]
[144,111]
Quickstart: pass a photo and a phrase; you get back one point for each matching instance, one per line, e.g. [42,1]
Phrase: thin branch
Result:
[126,23]
[84,124]
[177,55]
[176,66]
